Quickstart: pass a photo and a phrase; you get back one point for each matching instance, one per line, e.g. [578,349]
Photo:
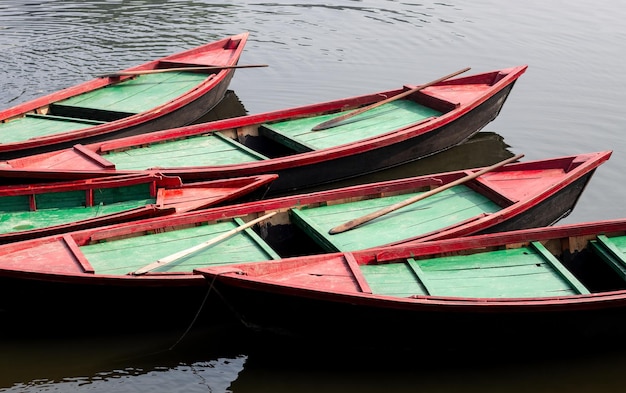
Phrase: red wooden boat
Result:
[169,92]
[437,117]
[562,286]
[143,271]
[45,209]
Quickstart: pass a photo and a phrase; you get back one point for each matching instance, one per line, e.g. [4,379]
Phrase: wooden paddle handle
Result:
[180,254]
[335,121]
[160,70]
[369,217]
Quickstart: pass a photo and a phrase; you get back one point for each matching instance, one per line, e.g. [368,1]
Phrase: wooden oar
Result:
[160,70]
[334,122]
[181,254]
[369,217]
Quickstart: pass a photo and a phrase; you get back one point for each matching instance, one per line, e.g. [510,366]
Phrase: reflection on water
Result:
[232,360]
[113,363]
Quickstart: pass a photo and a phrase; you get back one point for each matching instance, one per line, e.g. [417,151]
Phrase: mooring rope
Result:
[195,318]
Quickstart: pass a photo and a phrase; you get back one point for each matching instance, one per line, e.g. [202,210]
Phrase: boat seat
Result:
[612,251]
[77,113]
[523,272]
[64,118]
[297,135]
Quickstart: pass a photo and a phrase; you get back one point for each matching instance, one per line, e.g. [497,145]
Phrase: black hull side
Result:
[353,326]
[48,308]
[548,212]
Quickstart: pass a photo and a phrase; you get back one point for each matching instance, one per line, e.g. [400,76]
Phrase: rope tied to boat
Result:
[203,303]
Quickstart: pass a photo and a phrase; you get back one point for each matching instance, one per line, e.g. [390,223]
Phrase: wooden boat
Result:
[564,286]
[148,265]
[169,92]
[45,209]
[434,117]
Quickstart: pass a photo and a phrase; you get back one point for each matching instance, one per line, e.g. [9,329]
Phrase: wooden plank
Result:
[63,118]
[393,279]
[298,134]
[29,127]
[123,255]
[240,146]
[16,203]
[93,156]
[138,94]
[438,211]
[566,274]
[414,265]
[205,150]
[48,214]
[357,273]
[518,272]
[80,257]
[609,252]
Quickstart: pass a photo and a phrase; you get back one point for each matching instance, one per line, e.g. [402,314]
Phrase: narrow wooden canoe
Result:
[559,286]
[282,142]
[94,270]
[115,106]
[44,209]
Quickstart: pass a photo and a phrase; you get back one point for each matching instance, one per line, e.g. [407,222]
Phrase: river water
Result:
[569,101]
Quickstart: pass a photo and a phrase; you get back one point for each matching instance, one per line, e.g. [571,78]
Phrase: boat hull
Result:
[287,299]
[384,325]
[303,175]
[104,306]
[96,270]
[102,123]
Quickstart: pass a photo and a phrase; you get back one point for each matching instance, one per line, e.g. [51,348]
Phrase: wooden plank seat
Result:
[209,149]
[427,216]
[612,251]
[123,255]
[297,134]
[523,272]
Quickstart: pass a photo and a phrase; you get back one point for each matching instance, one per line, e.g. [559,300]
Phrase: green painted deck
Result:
[210,149]
[119,257]
[139,94]
[514,273]
[31,127]
[297,133]
[438,211]
[65,207]
[613,251]
[129,97]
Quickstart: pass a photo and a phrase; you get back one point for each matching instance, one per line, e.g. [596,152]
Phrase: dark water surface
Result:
[569,101]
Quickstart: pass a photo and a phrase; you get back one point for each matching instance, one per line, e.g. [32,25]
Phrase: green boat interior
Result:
[26,212]
[534,269]
[272,140]
[109,103]
[292,232]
